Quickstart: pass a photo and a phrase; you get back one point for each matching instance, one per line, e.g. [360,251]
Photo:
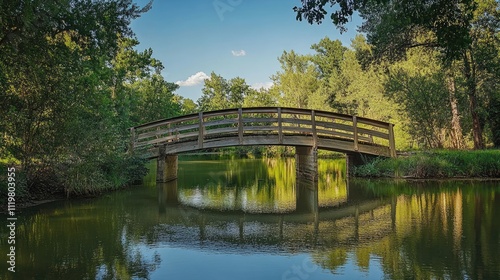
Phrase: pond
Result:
[241,219]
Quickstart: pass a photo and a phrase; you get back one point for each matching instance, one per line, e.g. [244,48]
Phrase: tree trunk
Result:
[457,139]
[470,77]
[494,118]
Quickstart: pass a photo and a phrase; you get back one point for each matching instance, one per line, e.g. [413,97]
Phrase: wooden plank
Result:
[200,130]
[371,122]
[183,147]
[167,139]
[260,110]
[314,134]
[208,124]
[168,131]
[339,126]
[355,127]
[295,111]
[154,141]
[222,131]
[298,130]
[260,120]
[296,121]
[260,140]
[166,121]
[298,140]
[219,113]
[338,134]
[375,133]
[132,140]
[222,142]
[280,127]
[240,126]
[337,145]
[392,142]
[333,116]
[374,150]
[269,128]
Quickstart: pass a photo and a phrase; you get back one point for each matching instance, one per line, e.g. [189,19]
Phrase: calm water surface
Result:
[252,219]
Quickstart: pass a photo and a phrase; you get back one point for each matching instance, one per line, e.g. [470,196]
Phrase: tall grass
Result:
[436,164]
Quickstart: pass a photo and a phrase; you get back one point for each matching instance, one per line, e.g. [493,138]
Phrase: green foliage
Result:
[418,86]
[391,25]
[219,93]
[436,164]
[260,98]
[297,84]
[465,33]
[71,84]
[187,106]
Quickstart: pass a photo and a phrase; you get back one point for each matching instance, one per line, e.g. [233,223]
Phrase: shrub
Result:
[436,164]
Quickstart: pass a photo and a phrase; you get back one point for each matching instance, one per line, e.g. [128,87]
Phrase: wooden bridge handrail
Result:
[284,110]
[264,120]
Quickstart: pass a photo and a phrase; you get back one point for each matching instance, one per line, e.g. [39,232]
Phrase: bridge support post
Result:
[167,195]
[306,196]
[306,163]
[356,159]
[166,168]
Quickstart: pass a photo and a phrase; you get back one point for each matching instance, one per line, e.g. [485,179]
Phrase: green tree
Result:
[460,30]
[219,93]
[260,98]
[55,75]
[297,81]
[156,100]
[238,90]
[187,106]
[418,85]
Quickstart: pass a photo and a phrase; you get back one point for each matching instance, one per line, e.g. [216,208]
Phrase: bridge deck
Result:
[265,126]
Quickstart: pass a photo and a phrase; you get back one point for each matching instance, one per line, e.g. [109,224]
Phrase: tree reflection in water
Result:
[445,230]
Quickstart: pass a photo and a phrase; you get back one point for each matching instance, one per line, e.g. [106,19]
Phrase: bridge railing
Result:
[276,121]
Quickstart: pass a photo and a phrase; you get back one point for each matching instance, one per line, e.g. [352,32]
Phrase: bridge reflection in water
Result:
[352,218]
[361,139]
[209,223]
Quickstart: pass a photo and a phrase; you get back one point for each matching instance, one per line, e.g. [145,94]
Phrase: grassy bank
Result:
[435,164]
[71,179]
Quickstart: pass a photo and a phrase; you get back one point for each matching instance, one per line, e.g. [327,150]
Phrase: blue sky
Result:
[232,38]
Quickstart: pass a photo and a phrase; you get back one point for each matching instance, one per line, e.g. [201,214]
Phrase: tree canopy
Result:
[465,33]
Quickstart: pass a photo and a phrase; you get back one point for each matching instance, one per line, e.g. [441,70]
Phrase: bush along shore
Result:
[439,164]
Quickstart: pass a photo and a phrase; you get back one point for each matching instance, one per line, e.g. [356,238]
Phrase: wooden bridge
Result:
[308,130]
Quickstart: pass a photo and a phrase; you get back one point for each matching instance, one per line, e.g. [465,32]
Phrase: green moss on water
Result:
[436,164]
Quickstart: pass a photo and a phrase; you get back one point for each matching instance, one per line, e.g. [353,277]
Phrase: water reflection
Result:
[209,221]
[257,185]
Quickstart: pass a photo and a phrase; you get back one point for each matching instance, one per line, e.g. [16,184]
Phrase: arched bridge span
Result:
[265,126]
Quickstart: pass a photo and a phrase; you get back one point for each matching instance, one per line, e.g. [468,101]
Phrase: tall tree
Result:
[455,28]
[419,86]
[261,98]
[219,93]
[54,80]
[214,93]
[297,81]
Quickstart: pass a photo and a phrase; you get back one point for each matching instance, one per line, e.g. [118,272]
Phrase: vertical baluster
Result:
[355,129]
[280,127]
[314,134]
[200,130]
[392,142]
[240,125]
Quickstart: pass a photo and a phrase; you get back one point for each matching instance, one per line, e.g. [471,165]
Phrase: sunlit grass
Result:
[436,164]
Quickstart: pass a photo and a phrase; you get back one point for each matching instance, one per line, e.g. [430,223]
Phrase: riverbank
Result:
[438,164]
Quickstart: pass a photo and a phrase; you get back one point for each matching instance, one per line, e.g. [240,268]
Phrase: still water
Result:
[252,219]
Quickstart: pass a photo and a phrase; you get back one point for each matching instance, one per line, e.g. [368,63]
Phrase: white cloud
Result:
[194,80]
[266,85]
[239,53]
